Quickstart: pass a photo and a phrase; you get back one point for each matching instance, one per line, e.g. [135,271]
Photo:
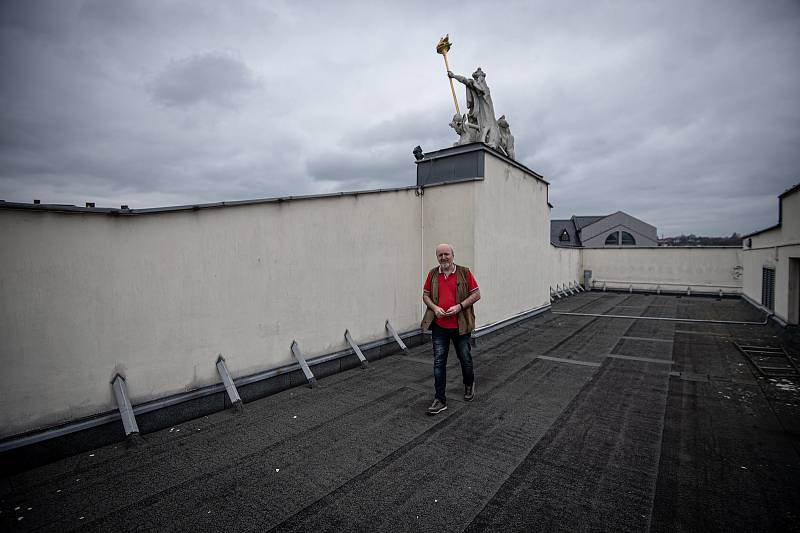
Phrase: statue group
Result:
[480,124]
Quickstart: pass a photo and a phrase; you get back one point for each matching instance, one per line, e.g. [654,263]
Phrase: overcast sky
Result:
[684,114]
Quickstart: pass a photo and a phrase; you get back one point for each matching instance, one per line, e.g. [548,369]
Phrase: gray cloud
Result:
[47,19]
[387,167]
[685,114]
[213,78]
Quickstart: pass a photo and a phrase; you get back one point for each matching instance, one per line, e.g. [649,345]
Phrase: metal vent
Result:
[768,288]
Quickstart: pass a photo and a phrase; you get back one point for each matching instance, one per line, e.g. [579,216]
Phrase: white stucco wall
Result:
[703,268]
[754,260]
[512,242]
[158,296]
[777,248]
[565,266]
[449,217]
[790,218]
[777,258]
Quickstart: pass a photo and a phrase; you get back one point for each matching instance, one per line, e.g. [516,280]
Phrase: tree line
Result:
[698,240]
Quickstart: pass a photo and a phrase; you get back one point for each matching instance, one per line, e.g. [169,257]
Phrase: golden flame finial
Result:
[444,45]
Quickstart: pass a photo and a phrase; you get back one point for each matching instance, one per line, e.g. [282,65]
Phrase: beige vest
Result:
[466,317]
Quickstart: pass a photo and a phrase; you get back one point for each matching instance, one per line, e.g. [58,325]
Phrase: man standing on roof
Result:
[449,293]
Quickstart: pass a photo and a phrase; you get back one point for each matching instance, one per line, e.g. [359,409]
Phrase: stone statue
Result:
[481,108]
[506,139]
[467,132]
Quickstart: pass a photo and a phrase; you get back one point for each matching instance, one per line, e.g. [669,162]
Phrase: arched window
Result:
[564,237]
[612,239]
[627,239]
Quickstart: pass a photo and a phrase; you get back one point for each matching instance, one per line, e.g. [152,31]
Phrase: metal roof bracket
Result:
[124,405]
[303,365]
[396,337]
[356,349]
[233,394]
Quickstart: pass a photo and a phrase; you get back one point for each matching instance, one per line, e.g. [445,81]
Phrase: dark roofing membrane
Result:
[579,423]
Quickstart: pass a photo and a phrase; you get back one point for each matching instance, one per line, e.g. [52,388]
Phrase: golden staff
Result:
[442,48]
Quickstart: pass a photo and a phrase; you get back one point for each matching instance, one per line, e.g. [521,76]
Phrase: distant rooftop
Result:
[620,227]
[579,423]
[582,222]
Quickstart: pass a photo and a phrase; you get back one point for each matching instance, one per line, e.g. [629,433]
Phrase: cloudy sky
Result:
[685,114]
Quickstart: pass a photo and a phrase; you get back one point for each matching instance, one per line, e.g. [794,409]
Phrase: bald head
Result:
[445,255]
[445,246]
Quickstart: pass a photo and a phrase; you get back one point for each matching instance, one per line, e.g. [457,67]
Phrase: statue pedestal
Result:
[463,162]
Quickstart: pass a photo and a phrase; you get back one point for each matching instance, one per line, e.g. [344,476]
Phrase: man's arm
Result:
[438,311]
[473,297]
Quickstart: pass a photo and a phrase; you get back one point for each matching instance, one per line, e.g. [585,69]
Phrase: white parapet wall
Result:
[697,269]
[564,266]
[777,249]
[158,296]
[449,217]
[510,213]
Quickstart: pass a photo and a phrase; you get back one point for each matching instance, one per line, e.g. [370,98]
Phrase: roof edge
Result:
[781,196]
[776,226]
[65,208]
[789,191]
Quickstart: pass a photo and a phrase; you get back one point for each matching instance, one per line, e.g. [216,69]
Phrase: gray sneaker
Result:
[469,392]
[436,407]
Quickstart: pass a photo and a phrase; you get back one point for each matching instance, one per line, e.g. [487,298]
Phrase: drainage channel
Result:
[668,319]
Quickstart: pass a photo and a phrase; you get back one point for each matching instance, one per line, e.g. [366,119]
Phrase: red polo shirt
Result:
[447,295]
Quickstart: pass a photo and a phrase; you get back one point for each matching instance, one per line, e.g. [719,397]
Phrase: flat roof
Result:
[579,423]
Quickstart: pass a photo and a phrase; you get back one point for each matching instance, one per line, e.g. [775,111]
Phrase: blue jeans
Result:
[441,347]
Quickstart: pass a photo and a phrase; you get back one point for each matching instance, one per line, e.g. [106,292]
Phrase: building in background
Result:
[614,230]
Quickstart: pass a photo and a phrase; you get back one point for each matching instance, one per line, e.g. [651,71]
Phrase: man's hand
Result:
[439,312]
[453,310]
[450,74]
